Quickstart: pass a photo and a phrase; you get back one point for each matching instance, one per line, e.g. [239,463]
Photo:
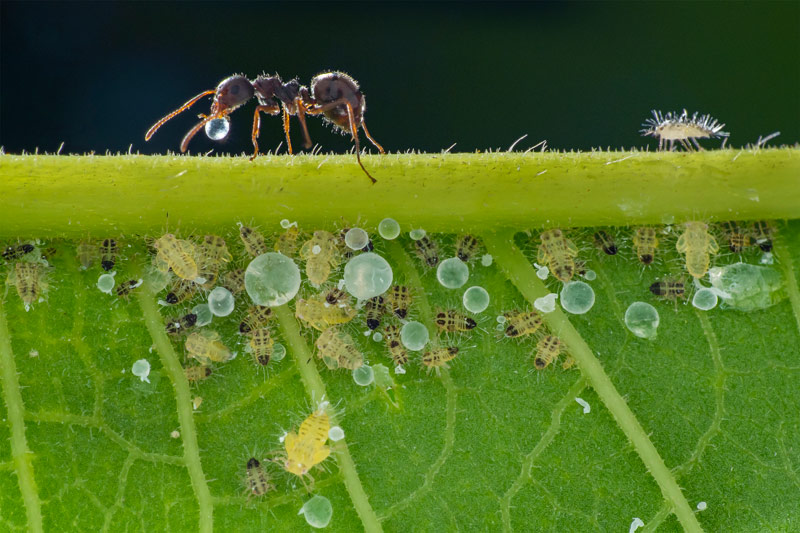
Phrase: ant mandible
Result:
[335,95]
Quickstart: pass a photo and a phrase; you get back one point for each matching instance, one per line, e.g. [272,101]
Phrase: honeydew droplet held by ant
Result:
[218,128]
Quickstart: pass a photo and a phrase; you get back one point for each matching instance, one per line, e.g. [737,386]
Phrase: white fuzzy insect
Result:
[680,127]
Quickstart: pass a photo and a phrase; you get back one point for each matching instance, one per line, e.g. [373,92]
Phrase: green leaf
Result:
[706,412]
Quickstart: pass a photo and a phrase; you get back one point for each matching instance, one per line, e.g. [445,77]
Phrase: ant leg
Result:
[286,129]
[181,109]
[301,116]
[257,124]
[373,141]
[354,132]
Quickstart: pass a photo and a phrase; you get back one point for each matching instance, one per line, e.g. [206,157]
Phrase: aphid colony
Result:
[333,95]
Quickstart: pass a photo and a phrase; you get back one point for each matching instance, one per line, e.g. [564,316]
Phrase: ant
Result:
[334,95]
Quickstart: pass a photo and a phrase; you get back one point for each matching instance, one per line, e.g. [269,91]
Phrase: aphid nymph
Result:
[680,127]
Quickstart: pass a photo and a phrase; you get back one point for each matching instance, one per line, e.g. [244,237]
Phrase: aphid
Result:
[646,242]
[738,240]
[257,317]
[233,280]
[258,481]
[207,347]
[287,242]
[451,321]
[321,255]
[398,300]
[15,252]
[215,250]
[261,344]
[126,287]
[338,350]
[235,91]
[373,310]
[253,241]
[87,253]
[306,448]
[438,358]
[391,336]
[338,98]
[108,254]
[49,252]
[178,325]
[568,363]
[547,350]
[337,296]
[674,127]
[427,250]
[466,247]
[197,373]
[178,254]
[522,323]
[605,242]
[669,289]
[316,313]
[558,252]
[762,233]
[697,244]
[180,290]
[27,277]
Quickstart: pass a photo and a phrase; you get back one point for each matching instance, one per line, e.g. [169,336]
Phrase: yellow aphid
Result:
[178,254]
[316,313]
[547,349]
[391,335]
[287,242]
[306,448]
[214,249]
[207,347]
[451,321]
[697,245]
[87,254]
[257,317]
[181,290]
[233,280]
[373,310]
[427,250]
[197,373]
[522,323]
[261,344]
[568,363]
[645,242]
[321,255]
[253,241]
[558,253]
[338,350]
[466,247]
[398,300]
[27,277]
[257,479]
[438,358]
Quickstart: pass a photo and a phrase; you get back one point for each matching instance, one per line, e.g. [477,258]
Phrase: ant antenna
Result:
[178,111]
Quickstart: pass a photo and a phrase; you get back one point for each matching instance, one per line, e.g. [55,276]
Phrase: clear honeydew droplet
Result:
[642,320]
[272,279]
[577,297]
[317,511]
[452,273]
[475,299]
[218,128]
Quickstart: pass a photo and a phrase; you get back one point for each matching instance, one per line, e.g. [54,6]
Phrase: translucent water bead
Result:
[356,238]
[642,320]
[414,335]
[452,273]
[204,315]
[317,511]
[389,229]
[367,275]
[363,375]
[272,279]
[705,299]
[220,301]
[475,299]
[577,297]
[217,128]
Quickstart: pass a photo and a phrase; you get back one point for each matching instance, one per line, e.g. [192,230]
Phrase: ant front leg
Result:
[301,116]
[272,110]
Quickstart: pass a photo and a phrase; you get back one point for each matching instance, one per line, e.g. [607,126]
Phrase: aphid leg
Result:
[697,144]
[373,141]
[686,145]
[272,110]
[301,116]
[181,109]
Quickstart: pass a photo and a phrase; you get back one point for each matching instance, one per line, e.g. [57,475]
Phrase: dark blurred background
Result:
[96,75]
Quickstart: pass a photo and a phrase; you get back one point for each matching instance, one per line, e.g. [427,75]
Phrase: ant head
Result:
[231,93]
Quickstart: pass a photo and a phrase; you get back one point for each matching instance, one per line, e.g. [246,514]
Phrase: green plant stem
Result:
[20,454]
[72,196]
[523,276]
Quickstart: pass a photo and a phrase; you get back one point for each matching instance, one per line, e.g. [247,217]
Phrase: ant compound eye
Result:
[218,128]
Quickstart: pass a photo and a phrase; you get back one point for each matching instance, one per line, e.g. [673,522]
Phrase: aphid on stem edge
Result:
[674,127]
[558,253]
